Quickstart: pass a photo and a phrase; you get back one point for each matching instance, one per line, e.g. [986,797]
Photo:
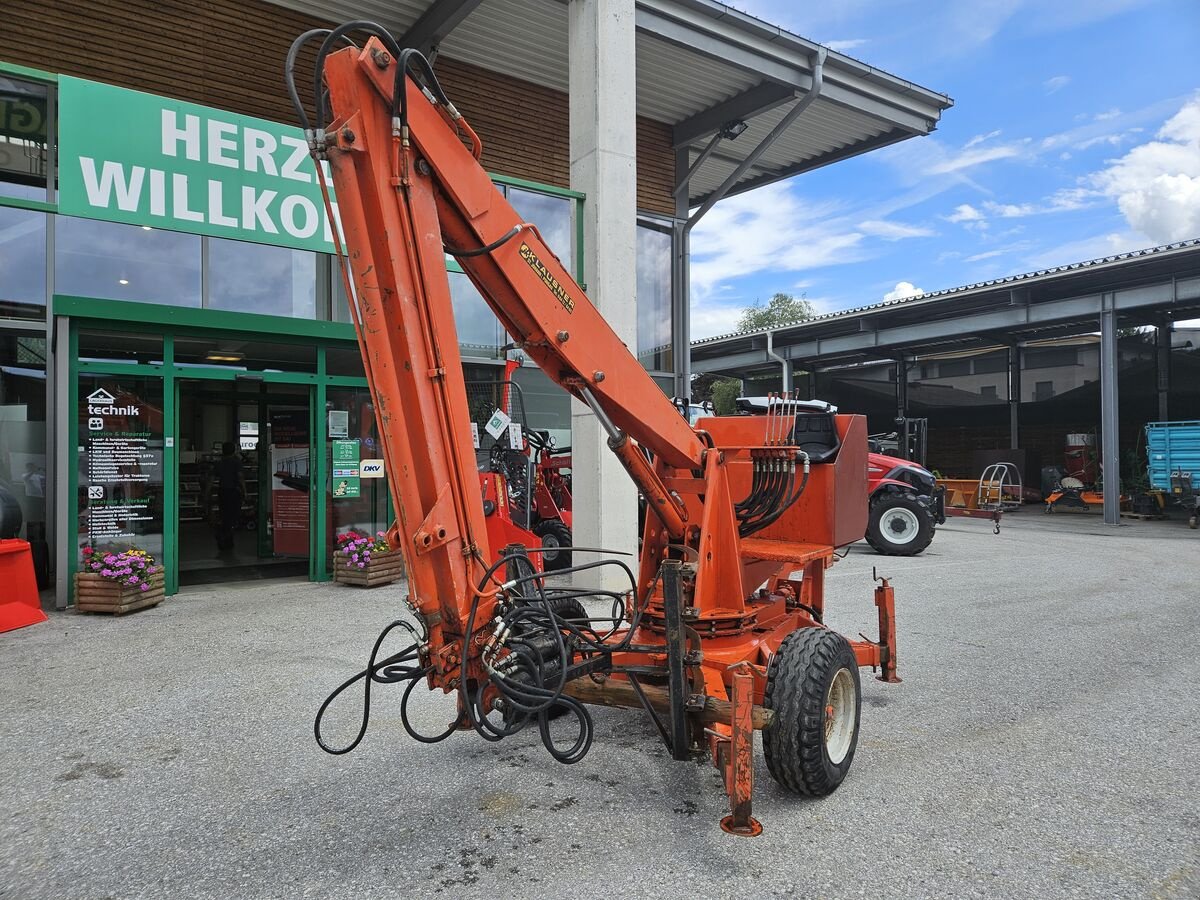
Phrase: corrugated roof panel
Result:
[527,39]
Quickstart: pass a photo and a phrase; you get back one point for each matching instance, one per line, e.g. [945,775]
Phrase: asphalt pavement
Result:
[1042,744]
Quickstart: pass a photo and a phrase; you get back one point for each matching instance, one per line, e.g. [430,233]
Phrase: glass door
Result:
[244,446]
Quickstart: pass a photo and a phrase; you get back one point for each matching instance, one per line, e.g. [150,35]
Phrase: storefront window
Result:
[344,360]
[355,503]
[126,262]
[120,469]
[654,298]
[24,138]
[22,263]
[237,353]
[116,347]
[552,216]
[23,463]
[479,332]
[259,278]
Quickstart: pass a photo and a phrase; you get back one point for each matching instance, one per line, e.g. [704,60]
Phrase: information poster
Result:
[345,469]
[290,481]
[121,464]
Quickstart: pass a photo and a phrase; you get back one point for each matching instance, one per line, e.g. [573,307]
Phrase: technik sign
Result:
[126,156]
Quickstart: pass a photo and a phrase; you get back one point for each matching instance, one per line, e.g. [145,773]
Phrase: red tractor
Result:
[907,504]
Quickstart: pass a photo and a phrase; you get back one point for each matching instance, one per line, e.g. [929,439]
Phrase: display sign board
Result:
[127,156]
[371,468]
[345,469]
[120,481]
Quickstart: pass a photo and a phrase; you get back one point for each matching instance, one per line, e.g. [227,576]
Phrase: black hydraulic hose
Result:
[412,732]
[389,671]
[487,248]
[326,45]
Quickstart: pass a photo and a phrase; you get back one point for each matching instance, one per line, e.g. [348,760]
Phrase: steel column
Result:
[1109,444]
[901,387]
[1014,396]
[1162,357]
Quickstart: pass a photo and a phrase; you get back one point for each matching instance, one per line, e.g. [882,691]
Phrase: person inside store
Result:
[230,484]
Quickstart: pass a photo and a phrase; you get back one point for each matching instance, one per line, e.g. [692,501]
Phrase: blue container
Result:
[1172,447]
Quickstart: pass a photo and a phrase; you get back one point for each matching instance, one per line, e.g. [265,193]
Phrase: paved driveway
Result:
[1043,743]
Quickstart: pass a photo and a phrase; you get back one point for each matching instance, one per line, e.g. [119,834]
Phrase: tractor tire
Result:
[899,525]
[554,534]
[570,609]
[813,688]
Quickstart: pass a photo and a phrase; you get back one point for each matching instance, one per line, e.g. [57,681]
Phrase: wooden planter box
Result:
[384,568]
[94,593]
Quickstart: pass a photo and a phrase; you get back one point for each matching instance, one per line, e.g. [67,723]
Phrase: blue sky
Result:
[1075,134]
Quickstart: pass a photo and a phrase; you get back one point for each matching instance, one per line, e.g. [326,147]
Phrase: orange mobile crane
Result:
[718,633]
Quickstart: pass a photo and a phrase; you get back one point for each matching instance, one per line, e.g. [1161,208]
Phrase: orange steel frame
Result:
[401,197]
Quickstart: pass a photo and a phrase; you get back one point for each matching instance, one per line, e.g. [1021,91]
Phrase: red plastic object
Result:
[19,603]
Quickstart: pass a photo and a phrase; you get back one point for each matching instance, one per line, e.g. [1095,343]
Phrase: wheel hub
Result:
[900,525]
[839,716]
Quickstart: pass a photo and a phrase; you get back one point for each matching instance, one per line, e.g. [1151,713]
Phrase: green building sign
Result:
[126,156]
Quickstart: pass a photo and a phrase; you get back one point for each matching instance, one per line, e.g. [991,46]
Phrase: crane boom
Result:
[715,593]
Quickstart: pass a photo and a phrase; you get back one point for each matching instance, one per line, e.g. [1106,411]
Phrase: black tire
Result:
[554,534]
[899,525]
[797,743]
[570,609]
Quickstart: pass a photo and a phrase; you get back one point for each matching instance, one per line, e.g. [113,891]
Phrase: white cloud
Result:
[769,230]
[893,231]
[964,212]
[967,159]
[1095,247]
[1157,185]
[1057,83]
[843,46]
[902,290]
[980,138]
[1113,113]
[987,254]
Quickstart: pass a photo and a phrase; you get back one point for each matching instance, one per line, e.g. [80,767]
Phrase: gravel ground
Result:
[1042,744]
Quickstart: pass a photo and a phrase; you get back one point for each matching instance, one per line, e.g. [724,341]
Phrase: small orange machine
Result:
[720,630]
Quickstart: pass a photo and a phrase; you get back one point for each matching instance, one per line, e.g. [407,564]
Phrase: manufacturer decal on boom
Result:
[550,281]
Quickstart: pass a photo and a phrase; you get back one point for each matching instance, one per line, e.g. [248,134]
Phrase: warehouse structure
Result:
[1008,330]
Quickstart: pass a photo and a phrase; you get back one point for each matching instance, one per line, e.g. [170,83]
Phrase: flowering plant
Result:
[129,568]
[358,547]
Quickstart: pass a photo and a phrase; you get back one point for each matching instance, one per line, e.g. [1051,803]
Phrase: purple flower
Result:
[133,579]
[107,573]
[362,565]
[379,533]
[354,557]
[145,587]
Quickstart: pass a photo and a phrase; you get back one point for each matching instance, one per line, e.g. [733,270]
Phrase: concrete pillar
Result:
[603,166]
[1110,450]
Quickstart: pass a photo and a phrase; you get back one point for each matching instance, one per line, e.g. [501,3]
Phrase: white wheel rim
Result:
[839,716]
[550,543]
[900,525]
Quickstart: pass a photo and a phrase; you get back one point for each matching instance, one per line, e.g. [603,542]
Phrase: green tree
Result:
[781,309]
[724,396]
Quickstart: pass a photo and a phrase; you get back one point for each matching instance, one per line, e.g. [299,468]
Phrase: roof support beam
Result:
[758,99]
[436,23]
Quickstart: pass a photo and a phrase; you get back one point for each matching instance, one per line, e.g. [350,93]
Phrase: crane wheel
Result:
[813,688]
[554,534]
[899,525]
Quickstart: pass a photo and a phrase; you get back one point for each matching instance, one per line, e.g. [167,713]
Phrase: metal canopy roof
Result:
[1058,302]
[700,65]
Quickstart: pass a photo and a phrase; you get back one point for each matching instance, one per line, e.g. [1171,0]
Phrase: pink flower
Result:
[145,587]
[88,551]
[362,565]
[107,573]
